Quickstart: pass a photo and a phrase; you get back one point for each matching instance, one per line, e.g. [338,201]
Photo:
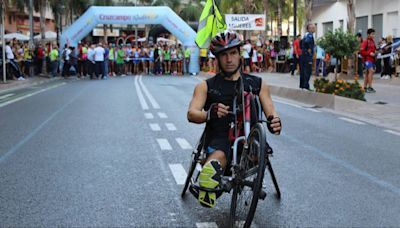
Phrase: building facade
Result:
[382,15]
[18,21]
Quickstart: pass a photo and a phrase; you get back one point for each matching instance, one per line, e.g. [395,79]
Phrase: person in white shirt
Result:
[65,57]
[91,64]
[99,59]
[11,61]
[246,56]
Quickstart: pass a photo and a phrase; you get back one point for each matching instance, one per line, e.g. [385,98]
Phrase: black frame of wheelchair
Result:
[234,177]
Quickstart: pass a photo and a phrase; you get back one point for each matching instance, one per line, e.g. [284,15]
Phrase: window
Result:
[341,25]
[327,26]
[362,25]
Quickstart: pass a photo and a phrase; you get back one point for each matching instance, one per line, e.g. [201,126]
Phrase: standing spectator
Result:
[246,56]
[174,58]
[273,55]
[65,56]
[167,59]
[187,59]
[128,58]
[307,47]
[99,59]
[254,59]
[28,58]
[20,57]
[203,59]
[82,57]
[73,61]
[360,67]
[320,62]
[136,59]
[111,59]
[180,59]
[91,64]
[368,51]
[54,61]
[211,63]
[39,57]
[120,60]
[151,60]
[386,53]
[296,54]
[14,66]
[106,59]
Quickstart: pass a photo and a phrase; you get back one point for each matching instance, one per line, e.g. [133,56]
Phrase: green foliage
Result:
[339,43]
[340,88]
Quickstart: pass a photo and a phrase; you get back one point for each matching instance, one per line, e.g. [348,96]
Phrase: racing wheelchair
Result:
[250,157]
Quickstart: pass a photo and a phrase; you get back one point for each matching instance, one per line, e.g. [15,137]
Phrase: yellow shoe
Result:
[209,177]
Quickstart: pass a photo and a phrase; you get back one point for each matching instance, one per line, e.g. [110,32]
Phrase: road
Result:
[114,153]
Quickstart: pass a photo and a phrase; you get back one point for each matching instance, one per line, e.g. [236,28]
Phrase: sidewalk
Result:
[385,115]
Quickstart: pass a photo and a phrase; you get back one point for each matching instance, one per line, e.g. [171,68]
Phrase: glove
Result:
[212,112]
[269,123]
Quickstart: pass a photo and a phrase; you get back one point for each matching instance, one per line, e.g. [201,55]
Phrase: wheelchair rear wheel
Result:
[249,178]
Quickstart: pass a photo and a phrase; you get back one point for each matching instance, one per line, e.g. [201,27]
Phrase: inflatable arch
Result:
[134,15]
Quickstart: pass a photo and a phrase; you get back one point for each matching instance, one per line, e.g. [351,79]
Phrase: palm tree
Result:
[104,3]
[308,5]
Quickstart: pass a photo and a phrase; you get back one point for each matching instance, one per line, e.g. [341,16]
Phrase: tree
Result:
[104,3]
[308,5]
[339,44]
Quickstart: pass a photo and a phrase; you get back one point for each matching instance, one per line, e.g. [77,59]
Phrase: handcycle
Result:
[250,157]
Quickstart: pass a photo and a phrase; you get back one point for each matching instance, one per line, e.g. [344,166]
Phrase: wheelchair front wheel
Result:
[190,173]
[249,178]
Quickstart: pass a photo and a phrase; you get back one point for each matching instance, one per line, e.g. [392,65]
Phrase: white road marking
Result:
[162,115]
[297,106]
[142,101]
[352,121]
[155,127]
[148,115]
[183,143]
[149,96]
[179,173]
[393,132]
[5,96]
[170,126]
[196,77]
[31,94]
[206,225]
[164,144]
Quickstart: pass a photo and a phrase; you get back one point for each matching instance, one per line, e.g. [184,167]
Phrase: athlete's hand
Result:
[274,124]
[217,110]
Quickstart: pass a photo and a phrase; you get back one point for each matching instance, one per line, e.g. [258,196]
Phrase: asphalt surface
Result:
[87,153]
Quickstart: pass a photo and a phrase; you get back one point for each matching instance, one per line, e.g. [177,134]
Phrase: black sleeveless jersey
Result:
[223,91]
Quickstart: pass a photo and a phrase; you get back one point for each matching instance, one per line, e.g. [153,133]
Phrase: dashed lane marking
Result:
[162,115]
[148,115]
[393,132]
[179,173]
[183,143]
[155,127]
[206,225]
[164,144]
[170,126]
[352,121]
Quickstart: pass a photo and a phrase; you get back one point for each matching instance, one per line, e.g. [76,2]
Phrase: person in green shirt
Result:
[54,60]
[120,59]
[187,59]
[167,59]
[111,58]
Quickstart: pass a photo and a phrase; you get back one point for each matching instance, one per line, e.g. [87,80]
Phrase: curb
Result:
[28,84]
